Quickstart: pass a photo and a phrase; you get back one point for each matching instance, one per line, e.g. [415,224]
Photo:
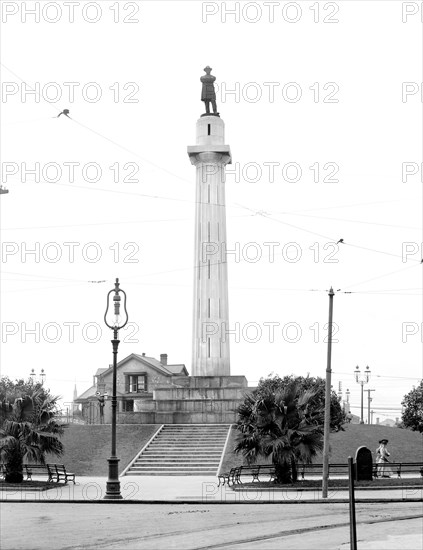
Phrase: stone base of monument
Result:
[194,400]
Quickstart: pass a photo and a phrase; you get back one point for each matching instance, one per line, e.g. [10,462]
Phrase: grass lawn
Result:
[404,445]
[87,447]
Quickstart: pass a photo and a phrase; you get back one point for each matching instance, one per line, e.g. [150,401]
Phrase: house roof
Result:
[167,370]
[177,369]
[87,393]
[100,371]
[154,363]
[91,392]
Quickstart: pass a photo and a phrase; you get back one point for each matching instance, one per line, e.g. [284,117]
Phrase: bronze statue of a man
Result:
[208,93]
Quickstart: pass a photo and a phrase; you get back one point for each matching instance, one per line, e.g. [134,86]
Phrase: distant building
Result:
[388,422]
[137,378]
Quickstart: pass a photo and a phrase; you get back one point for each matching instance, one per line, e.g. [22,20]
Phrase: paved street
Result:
[192,512]
[185,526]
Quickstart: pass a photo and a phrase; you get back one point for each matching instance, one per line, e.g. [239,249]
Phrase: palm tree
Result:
[284,426]
[29,431]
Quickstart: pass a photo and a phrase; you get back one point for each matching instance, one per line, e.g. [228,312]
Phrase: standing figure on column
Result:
[208,93]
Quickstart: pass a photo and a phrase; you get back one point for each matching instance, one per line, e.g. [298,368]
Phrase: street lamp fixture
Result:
[362,379]
[33,377]
[115,324]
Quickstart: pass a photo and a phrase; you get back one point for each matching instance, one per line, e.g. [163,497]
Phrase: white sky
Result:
[368,133]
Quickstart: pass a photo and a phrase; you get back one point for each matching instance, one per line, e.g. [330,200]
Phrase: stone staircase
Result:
[182,450]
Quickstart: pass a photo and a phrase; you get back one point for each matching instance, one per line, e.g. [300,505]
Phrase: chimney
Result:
[163,358]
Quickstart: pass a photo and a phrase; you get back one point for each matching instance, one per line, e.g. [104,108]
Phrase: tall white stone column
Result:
[210,348]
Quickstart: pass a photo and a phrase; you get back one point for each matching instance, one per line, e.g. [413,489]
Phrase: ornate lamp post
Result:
[113,484]
[362,379]
[33,376]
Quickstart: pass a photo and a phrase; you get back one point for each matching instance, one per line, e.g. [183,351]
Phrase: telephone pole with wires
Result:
[327,401]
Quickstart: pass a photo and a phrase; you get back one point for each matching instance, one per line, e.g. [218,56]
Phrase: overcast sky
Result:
[300,85]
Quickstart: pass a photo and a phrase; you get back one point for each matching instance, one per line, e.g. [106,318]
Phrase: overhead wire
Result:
[255,211]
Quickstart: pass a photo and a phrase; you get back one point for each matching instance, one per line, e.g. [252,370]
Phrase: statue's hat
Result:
[384,441]
[205,68]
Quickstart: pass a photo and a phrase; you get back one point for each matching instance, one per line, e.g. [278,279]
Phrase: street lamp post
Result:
[113,484]
[362,379]
[33,377]
[369,400]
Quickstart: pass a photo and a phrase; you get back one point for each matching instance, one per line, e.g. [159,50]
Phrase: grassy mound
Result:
[87,447]
[404,445]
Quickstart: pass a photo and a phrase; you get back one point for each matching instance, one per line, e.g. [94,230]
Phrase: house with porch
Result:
[137,378]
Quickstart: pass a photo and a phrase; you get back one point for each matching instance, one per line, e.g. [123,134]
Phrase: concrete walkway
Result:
[197,489]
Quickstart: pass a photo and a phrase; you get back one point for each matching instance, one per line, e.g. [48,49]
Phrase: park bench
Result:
[233,476]
[253,474]
[62,474]
[317,470]
[54,472]
[39,469]
[225,477]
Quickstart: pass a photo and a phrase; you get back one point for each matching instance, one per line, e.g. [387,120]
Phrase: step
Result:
[184,444]
[198,456]
[193,450]
[180,460]
[192,471]
[154,473]
[185,436]
[174,466]
[149,467]
[182,454]
[189,448]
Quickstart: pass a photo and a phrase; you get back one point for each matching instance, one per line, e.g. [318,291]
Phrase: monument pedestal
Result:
[195,400]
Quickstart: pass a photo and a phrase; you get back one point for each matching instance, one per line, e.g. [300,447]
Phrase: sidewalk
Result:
[176,489]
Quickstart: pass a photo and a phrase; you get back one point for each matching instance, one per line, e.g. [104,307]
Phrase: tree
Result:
[284,425]
[12,389]
[317,384]
[412,416]
[28,432]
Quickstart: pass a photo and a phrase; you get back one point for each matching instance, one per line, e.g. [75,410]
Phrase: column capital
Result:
[209,157]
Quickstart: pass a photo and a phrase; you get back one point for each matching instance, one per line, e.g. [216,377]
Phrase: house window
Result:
[128,405]
[136,383]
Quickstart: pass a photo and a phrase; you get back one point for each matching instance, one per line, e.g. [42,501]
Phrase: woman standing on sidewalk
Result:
[382,455]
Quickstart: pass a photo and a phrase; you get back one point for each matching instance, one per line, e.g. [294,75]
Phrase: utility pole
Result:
[369,400]
[327,401]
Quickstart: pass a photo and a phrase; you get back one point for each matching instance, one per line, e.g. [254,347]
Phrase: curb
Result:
[208,502]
